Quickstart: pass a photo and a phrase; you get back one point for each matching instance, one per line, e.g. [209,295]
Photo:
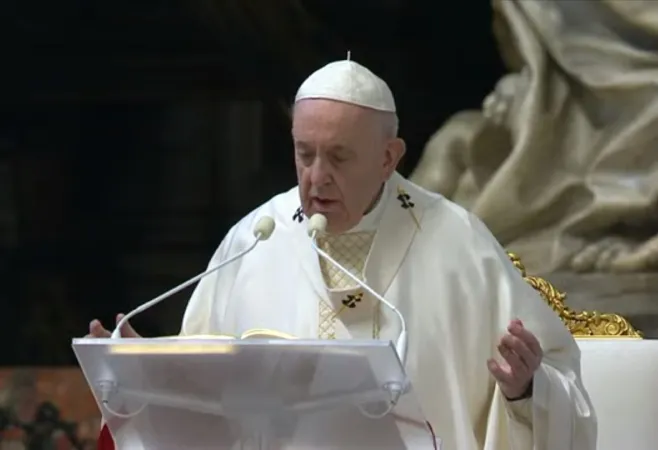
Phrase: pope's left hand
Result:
[522,356]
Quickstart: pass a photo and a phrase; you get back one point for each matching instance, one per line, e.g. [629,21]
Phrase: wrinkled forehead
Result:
[331,119]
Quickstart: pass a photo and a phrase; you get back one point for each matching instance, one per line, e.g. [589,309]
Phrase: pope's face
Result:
[343,156]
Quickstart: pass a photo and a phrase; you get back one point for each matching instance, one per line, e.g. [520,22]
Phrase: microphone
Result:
[262,232]
[317,224]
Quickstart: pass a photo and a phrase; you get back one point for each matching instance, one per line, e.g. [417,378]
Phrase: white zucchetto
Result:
[349,82]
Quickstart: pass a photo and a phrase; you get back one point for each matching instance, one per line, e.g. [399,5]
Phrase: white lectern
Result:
[182,393]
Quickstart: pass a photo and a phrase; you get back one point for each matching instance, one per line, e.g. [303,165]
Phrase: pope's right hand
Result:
[96,329]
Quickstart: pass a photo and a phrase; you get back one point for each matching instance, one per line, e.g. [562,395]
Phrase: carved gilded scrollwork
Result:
[580,323]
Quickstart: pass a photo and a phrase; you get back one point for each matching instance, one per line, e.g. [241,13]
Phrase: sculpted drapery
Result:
[562,162]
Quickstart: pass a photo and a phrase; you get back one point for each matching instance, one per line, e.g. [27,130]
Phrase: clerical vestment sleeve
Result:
[521,411]
[205,308]
[561,416]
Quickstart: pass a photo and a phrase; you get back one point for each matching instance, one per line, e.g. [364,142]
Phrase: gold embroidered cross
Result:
[406,203]
[349,302]
[299,215]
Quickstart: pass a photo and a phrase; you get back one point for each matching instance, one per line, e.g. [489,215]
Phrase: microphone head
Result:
[317,224]
[264,228]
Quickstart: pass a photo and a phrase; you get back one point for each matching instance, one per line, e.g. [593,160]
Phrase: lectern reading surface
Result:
[170,394]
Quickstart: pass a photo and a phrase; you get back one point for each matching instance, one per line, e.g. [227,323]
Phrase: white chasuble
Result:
[455,286]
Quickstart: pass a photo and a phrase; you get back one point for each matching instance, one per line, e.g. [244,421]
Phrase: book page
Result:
[263,333]
[199,336]
[255,333]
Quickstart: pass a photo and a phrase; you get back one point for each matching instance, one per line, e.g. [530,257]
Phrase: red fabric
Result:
[105,441]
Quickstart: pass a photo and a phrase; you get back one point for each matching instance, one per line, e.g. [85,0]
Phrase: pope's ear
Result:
[395,151]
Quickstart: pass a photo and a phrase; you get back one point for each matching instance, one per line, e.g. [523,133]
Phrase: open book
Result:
[255,333]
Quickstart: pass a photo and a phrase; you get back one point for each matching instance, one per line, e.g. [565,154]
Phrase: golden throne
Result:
[581,324]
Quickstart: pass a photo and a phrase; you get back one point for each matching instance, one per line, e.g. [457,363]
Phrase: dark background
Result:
[133,134]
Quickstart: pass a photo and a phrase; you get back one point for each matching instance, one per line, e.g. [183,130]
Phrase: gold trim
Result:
[580,323]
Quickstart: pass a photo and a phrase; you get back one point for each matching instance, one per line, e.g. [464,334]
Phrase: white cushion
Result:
[621,377]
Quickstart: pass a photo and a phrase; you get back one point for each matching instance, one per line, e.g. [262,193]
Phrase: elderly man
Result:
[493,367]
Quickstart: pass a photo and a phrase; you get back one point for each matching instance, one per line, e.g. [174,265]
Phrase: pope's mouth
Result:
[323,204]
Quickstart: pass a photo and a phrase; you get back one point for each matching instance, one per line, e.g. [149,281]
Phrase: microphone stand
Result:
[262,231]
[317,225]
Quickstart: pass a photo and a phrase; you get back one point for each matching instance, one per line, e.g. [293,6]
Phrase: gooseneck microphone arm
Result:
[262,231]
[317,225]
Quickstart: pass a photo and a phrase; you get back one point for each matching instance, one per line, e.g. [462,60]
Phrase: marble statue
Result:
[562,160]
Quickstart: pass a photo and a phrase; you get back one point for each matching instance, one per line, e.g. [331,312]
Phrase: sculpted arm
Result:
[444,158]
